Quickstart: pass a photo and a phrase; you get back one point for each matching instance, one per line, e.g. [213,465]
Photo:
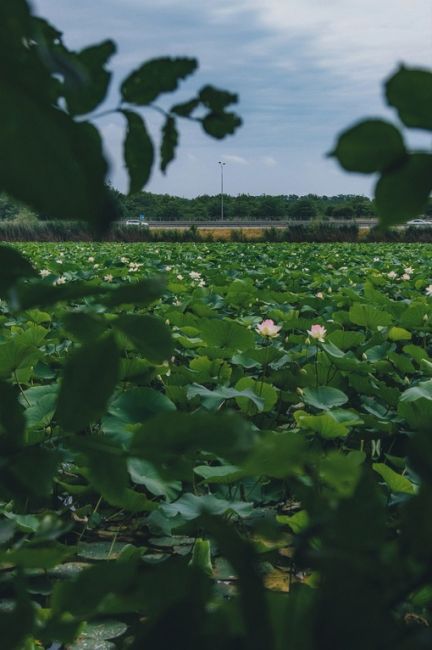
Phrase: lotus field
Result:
[254,382]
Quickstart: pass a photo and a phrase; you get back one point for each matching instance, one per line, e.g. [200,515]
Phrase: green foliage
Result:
[153,78]
[89,379]
[154,446]
[395,199]
[372,146]
[405,178]
[410,92]
[161,423]
[163,207]
[138,152]
[41,142]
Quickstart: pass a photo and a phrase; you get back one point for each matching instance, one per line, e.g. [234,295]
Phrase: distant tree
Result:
[343,212]
[271,206]
[117,199]
[8,208]
[171,212]
[242,206]
[304,209]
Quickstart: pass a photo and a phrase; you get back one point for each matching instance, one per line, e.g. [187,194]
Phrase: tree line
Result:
[245,206]
[164,207]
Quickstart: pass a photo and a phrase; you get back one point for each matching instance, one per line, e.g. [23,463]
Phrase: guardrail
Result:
[262,223]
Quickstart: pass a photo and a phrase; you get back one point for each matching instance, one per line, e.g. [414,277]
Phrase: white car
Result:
[419,222]
[137,222]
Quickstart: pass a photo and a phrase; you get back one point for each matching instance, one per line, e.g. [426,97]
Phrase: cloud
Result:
[304,70]
[236,160]
[269,161]
[357,37]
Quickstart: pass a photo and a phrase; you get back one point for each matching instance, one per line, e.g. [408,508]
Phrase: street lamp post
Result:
[222,165]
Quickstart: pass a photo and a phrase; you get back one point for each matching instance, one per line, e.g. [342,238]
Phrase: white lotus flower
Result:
[317,332]
[268,328]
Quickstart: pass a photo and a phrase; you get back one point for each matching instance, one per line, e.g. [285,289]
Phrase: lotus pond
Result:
[300,409]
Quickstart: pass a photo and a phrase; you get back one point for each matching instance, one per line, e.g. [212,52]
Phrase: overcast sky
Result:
[304,70]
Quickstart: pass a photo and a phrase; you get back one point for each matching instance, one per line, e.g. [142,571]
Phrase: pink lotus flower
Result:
[317,332]
[268,328]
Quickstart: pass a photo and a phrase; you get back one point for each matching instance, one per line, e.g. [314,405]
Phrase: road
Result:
[362,223]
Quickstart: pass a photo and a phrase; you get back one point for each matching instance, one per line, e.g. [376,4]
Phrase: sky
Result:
[304,71]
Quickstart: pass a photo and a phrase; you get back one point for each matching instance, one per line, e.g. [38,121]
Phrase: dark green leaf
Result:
[370,146]
[172,440]
[143,473]
[155,77]
[87,87]
[83,594]
[186,108]
[324,397]
[44,557]
[83,326]
[45,29]
[40,294]
[138,151]
[149,335]
[212,399]
[218,125]
[100,550]
[40,404]
[410,92]
[13,267]
[108,473]
[134,407]
[190,506]
[403,193]
[103,630]
[138,293]
[89,379]
[17,624]
[39,142]
[169,142]
[264,391]
[12,421]
[342,472]
[30,472]
[215,99]
[219,473]
[253,602]
[226,334]
[368,316]
[415,406]
[277,454]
